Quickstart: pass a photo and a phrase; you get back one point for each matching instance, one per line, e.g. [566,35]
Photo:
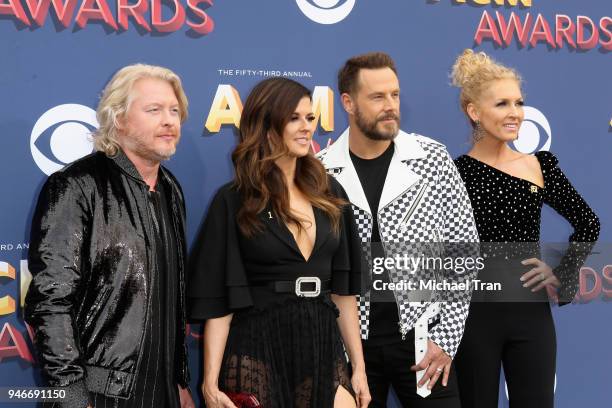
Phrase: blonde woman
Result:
[507,190]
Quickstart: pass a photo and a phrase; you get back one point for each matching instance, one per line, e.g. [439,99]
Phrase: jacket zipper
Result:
[403,328]
[415,204]
[182,305]
[151,281]
[102,297]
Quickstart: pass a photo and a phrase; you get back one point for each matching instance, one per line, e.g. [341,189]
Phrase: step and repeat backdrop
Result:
[58,54]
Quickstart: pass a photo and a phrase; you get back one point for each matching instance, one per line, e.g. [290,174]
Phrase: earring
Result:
[477,132]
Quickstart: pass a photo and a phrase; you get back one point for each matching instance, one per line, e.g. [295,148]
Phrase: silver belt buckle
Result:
[308,293]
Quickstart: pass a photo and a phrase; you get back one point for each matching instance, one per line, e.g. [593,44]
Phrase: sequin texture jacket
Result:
[92,251]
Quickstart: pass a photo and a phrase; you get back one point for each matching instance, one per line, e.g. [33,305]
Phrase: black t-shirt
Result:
[384,316]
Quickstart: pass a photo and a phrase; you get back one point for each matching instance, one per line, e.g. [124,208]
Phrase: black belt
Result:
[305,286]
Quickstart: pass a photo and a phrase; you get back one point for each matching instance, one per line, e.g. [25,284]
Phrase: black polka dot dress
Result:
[518,336]
[508,209]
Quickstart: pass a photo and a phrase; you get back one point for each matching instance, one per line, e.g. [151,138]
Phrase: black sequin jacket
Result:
[91,254]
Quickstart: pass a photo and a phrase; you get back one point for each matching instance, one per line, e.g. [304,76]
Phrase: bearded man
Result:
[404,190]
[107,254]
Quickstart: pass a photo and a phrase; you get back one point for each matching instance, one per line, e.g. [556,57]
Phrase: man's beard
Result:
[370,128]
[138,144]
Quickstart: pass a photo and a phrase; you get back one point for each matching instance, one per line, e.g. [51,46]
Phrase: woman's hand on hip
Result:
[541,275]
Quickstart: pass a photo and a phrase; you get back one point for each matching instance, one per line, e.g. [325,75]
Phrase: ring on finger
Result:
[542,276]
[439,370]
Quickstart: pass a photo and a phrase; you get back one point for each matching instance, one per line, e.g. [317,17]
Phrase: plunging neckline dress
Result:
[284,349]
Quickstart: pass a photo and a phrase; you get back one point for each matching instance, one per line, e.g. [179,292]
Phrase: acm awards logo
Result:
[70,127]
[13,342]
[326,11]
[528,30]
[164,16]
[226,109]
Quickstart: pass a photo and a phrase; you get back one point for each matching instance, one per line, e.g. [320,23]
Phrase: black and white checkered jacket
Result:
[423,200]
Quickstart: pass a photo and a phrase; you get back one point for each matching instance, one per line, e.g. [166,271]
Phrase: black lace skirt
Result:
[287,355]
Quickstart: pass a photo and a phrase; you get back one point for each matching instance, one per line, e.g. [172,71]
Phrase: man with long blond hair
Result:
[107,256]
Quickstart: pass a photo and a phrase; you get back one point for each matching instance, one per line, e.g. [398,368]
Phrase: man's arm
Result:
[59,228]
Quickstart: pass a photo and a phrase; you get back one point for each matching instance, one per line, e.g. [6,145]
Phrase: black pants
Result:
[521,336]
[389,364]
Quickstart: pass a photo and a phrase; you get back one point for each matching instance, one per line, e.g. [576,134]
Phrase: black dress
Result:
[284,349]
[519,335]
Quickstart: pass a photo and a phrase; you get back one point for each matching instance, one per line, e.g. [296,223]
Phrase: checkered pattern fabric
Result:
[364,226]
[434,209]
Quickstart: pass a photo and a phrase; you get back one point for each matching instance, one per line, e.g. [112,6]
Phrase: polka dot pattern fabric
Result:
[508,209]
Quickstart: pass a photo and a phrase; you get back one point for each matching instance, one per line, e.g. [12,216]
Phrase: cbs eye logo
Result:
[65,133]
[535,133]
[326,11]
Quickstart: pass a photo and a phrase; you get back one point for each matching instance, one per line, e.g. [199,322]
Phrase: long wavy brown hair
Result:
[259,180]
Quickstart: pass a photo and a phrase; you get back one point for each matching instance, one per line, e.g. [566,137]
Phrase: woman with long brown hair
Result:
[276,267]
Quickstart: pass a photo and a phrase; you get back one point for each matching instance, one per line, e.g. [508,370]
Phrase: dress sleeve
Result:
[564,199]
[217,283]
[347,263]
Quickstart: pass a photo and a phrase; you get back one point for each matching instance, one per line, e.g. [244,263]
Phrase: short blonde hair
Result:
[473,72]
[116,100]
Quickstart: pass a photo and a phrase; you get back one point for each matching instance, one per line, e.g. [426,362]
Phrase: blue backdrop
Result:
[55,64]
